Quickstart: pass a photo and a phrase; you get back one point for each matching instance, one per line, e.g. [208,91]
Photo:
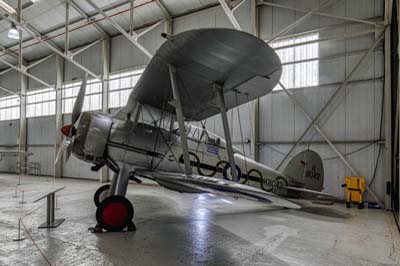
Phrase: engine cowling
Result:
[91,136]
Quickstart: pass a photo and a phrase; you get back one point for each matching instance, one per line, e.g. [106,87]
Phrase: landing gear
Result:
[101,194]
[114,214]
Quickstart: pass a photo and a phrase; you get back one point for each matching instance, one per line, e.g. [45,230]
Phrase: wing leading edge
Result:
[243,65]
[202,184]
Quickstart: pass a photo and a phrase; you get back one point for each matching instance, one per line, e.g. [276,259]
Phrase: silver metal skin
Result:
[142,148]
[194,75]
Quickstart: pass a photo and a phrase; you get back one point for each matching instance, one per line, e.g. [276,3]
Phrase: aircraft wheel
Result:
[114,213]
[101,194]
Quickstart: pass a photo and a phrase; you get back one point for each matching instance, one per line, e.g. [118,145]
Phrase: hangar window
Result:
[120,86]
[9,108]
[300,64]
[41,102]
[93,96]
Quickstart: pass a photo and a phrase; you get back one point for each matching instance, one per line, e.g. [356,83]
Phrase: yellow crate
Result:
[355,187]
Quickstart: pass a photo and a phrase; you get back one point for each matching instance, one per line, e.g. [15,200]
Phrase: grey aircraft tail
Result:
[305,172]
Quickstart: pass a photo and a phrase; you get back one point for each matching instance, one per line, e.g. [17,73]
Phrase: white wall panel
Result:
[45,157]
[9,131]
[45,71]
[11,80]
[41,130]
[210,18]
[90,58]
[41,139]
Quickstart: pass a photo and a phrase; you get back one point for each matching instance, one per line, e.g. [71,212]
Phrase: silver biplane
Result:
[193,75]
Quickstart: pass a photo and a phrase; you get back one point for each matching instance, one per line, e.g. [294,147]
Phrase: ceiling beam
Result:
[25,26]
[9,91]
[132,39]
[229,14]
[164,10]
[91,17]
[24,72]
[321,14]
[303,18]
[96,26]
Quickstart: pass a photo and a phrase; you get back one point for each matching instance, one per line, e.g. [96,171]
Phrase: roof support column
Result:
[398,89]
[168,27]
[66,45]
[105,53]
[59,120]
[255,134]
[388,105]
[23,90]
[131,29]
[181,123]
[218,89]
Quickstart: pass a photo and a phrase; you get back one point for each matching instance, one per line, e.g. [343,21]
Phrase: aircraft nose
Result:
[66,129]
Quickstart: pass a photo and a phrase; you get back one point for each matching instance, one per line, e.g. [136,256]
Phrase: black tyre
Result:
[101,194]
[348,204]
[114,213]
[361,205]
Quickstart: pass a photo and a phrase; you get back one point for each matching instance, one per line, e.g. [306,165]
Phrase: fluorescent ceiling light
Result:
[13,33]
[7,7]
[35,1]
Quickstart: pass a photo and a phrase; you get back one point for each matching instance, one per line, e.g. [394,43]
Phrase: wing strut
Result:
[179,115]
[222,106]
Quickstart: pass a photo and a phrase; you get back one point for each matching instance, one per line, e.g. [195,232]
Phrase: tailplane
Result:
[305,171]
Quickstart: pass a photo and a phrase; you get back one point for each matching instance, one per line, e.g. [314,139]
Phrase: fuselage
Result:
[155,148]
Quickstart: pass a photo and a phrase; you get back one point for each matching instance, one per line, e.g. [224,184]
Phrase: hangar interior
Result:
[340,73]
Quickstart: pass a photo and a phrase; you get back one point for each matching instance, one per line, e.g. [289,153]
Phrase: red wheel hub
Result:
[115,214]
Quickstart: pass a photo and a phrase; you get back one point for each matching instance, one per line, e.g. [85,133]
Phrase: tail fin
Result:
[306,171]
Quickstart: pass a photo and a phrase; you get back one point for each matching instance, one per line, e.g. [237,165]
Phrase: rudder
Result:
[305,170]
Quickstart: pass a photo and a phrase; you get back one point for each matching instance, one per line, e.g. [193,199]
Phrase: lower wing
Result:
[202,184]
[310,192]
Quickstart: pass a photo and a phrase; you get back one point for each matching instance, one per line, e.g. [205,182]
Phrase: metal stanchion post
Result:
[16,192]
[19,232]
[22,201]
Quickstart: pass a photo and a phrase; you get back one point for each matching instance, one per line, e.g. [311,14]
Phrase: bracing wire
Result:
[241,133]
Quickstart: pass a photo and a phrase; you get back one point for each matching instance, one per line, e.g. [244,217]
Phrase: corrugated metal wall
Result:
[357,116]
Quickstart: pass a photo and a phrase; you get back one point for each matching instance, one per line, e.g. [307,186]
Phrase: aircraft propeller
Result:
[69,130]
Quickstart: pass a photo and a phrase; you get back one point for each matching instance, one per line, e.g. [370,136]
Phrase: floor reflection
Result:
[201,240]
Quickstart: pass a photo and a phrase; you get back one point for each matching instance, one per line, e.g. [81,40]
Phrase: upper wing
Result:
[244,65]
[202,184]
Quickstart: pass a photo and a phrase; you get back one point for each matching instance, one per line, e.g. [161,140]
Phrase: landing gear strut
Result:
[114,213]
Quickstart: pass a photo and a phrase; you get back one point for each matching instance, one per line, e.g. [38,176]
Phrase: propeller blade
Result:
[76,111]
[65,145]
[60,150]
[68,151]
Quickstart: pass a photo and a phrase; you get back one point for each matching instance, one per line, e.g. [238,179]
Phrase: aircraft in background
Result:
[193,75]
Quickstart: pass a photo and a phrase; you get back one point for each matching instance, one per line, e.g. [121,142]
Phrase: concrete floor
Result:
[183,229]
